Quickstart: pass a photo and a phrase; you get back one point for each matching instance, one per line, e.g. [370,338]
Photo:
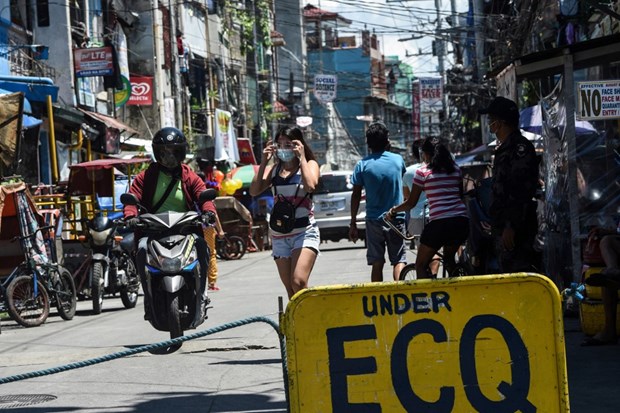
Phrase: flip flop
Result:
[592,341]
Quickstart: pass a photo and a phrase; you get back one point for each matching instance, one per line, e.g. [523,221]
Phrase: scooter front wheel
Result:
[129,292]
[174,315]
[66,297]
[96,287]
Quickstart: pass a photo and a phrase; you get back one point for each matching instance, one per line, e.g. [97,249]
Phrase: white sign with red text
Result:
[431,91]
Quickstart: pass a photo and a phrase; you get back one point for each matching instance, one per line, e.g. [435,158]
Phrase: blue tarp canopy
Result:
[36,92]
[531,120]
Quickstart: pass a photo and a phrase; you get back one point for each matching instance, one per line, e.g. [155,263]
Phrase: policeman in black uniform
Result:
[515,181]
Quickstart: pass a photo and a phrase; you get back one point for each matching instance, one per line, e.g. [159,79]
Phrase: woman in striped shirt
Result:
[448,227]
[294,175]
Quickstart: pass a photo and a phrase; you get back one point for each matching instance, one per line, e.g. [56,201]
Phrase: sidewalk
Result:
[593,373]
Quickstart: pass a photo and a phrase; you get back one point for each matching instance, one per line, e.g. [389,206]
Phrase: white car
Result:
[332,206]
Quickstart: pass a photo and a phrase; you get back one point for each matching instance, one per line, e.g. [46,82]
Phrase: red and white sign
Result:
[246,154]
[94,61]
[431,91]
[141,91]
[416,111]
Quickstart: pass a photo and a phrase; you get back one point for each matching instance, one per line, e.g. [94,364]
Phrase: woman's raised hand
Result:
[268,151]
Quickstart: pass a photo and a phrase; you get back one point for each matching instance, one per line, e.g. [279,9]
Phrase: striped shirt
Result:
[442,191]
[287,188]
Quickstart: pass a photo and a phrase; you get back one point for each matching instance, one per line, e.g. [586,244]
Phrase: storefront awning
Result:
[111,123]
[36,92]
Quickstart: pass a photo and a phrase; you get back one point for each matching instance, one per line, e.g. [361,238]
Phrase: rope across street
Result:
[150,347]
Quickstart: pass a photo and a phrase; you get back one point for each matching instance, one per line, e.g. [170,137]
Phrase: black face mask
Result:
[170,157]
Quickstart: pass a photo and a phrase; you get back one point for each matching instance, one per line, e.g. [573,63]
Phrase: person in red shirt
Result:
[169,185]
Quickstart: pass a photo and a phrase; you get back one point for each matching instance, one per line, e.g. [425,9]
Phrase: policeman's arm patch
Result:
[521,150]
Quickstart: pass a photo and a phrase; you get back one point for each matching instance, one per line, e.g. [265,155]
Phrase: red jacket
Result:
[143,187]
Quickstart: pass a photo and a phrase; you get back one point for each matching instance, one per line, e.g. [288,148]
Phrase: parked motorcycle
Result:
[112,268]
[172,262]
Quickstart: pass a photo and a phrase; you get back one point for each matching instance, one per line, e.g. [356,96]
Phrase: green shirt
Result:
[176,199]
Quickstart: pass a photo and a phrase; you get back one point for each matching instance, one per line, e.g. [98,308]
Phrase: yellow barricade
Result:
[469,344]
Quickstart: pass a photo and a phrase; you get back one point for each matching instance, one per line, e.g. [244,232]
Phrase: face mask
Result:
[285,155]
[168,160]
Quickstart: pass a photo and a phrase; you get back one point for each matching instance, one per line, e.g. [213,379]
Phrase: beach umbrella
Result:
[245,174]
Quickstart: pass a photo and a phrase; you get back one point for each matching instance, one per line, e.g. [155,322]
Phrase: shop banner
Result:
[416,111]
[225,138]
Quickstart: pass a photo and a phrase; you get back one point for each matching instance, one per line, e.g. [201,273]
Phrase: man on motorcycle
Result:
[169,185]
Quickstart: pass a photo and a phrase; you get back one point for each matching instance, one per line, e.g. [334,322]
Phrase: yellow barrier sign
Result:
[472,344]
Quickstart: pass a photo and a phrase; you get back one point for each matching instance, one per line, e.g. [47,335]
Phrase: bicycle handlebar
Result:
[392,226]
[40,229]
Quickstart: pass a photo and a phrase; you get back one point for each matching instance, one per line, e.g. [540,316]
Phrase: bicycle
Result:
[408,271]
[36,285]
[32,298]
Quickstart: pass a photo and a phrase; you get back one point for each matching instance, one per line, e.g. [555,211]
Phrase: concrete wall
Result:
[57,36]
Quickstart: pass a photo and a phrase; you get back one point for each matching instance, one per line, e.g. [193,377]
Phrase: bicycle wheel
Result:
[236,247]
[458,271]
[66,296]
[26,308]
[408,273]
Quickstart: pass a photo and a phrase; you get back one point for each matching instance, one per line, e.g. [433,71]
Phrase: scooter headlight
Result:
[100,237]
[170,264]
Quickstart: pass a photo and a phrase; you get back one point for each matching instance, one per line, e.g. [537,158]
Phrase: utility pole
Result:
[210,91]
[174,69]
[440,65]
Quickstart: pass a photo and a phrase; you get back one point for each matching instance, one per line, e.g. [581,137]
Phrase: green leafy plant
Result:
[246,21]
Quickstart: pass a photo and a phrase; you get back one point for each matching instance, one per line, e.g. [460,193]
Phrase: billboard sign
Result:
[94,61]
[469,344]
[598,100]
[325,87]
[431,91]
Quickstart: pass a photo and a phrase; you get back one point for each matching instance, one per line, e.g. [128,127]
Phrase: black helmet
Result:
[169,147]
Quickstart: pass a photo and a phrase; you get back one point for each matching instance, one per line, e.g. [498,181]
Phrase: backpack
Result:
[282,215]
[282,218]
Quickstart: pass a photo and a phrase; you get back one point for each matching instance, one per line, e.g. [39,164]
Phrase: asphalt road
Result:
[237,370]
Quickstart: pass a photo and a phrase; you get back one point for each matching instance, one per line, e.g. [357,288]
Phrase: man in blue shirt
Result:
[381,175]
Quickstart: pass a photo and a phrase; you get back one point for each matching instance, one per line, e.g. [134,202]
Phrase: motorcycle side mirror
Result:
[129,199]
[206,195]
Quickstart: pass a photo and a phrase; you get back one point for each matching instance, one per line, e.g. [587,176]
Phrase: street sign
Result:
[472,344]
[325,87]
[598,100]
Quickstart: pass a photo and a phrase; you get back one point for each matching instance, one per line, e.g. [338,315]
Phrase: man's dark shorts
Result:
[379,236]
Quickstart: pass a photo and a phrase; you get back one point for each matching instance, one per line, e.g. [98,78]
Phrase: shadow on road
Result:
[184,402]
